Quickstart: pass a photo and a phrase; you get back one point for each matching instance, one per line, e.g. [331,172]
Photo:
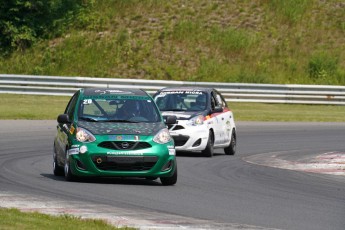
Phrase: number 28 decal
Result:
[87,101]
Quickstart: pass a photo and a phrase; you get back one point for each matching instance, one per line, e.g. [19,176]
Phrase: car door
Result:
[63,129]
[225,118]
[216,120]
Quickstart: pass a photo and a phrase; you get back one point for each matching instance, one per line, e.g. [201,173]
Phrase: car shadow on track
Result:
[196,154]
[108,180]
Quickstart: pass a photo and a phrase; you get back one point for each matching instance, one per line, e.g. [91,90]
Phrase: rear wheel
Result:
[208,152]
[170,180]
[231,149]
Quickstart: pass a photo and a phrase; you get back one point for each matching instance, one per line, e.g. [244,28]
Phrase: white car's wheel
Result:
[231,149]
[208,151]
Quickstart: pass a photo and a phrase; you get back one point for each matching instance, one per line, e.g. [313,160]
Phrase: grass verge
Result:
[15,219]
[288,112]
[264,41]
[49,107]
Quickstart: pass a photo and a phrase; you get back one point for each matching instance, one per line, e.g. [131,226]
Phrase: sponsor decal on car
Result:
[124,137]
[127,153]
[72,129]
[113,91]
[181,92]
[119,97]
[73,151]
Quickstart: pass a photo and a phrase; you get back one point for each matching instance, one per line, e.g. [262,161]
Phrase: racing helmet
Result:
[201,100]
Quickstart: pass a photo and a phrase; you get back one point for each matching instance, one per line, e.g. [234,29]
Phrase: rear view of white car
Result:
[204,121]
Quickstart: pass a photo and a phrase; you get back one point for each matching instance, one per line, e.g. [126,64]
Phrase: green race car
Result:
[114,133]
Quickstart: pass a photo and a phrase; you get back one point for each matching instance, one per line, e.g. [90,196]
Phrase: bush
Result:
[323,66]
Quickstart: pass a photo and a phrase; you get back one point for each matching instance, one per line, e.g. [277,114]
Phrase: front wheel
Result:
[58,170]
[208,152]
[68,173]
[231,149]
[170,180]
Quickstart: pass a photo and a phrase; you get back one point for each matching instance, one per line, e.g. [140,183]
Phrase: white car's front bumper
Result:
[188,137]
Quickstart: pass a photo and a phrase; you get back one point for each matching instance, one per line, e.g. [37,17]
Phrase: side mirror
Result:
[217,109]
[169,120]
[63,119]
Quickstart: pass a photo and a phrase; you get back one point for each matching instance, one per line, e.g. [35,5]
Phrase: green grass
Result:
[291,11]
[15,106]
[287,112]
[30,107]
[264,41]
[14,219]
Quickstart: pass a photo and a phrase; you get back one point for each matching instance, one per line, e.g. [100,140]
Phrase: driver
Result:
[129,109]
[200,103]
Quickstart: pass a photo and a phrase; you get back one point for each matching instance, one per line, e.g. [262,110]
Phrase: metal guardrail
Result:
[233,92]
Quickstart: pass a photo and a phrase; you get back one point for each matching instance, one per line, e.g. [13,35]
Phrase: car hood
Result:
[183,115]
[105,128]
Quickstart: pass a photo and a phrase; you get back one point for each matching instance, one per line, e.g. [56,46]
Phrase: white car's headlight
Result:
[162,137]
[198,120]
[83,135]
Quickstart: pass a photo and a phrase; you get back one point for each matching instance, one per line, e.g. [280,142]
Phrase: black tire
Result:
[231,149]
[58,170]
[208,151]
[67,169]
[169,180]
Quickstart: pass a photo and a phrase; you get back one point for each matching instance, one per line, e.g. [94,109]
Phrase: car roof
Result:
[187,88]
[113,91]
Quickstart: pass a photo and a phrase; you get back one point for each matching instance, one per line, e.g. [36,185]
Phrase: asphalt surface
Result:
[223,192]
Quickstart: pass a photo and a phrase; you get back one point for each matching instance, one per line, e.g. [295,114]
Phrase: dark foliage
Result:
[22,22]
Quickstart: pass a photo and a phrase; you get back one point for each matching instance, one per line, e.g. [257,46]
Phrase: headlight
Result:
[162,137]
[198,120]
[83,135]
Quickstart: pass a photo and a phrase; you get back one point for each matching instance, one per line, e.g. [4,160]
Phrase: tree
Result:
[22,22]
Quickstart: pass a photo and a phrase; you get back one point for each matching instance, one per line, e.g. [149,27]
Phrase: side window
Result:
[162,101]
[71,105]
[213,103]
[214,100]
[221,100]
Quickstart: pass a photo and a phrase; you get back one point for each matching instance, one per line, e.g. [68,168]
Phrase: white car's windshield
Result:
[181,100]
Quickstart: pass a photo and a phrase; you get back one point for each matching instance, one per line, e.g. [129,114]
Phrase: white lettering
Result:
[125,153]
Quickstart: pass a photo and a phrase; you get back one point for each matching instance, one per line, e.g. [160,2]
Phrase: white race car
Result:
[204,121]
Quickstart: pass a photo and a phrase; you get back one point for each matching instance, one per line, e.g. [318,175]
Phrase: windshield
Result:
[132,110]
[181,100]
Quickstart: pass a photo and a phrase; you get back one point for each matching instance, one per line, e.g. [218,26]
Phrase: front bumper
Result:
[157,161]
[189,138]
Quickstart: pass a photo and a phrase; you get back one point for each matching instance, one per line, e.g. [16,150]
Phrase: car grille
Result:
[180,140]
[124,145]
[124,163]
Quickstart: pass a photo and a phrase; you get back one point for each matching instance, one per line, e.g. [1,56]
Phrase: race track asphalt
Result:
[222,192]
